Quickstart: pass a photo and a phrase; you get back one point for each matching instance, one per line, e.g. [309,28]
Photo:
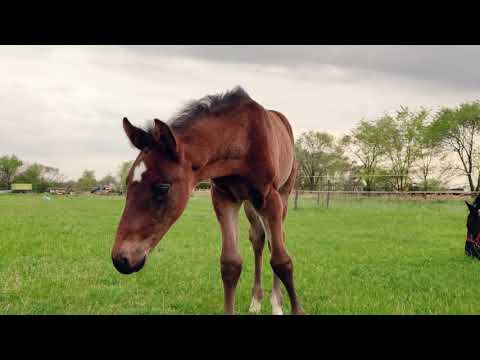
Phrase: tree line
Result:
[42,177]
[405,150]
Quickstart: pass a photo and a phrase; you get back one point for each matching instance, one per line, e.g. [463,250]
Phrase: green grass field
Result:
[357,257]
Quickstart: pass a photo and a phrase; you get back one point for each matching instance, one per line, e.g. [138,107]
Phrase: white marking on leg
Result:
[276,303]
[255,306]
[138,172]
[275,298]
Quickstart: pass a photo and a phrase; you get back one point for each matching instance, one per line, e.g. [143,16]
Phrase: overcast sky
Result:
[62,106]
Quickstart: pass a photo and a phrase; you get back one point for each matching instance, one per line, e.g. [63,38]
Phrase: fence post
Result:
[296,200]
[318,196]
[328,193]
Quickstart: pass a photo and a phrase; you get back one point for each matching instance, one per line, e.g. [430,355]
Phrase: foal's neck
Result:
[215,147]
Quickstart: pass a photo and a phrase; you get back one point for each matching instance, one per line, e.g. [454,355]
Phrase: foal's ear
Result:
[476,203]
[163,135]
[138,137]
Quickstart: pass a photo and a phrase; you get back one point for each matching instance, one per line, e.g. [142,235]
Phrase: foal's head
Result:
[158,188]
[473,219]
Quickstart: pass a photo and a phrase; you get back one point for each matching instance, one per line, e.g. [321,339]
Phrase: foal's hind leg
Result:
[276,298]
[257,238]
[282,265]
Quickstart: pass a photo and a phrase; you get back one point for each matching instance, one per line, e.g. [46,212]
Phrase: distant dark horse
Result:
[472,244]
[248,153]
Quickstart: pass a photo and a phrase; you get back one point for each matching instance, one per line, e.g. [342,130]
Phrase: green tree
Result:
[367,146]
[319,155]
[122,174]
[458,130]
[40,176]
[9,166]
[53,176]
[32,174]
[87,180]
[402,136]
[108,180]
[70,185]
[430,152]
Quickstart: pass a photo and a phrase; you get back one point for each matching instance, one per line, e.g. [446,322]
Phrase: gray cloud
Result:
[62,105]
[454,65]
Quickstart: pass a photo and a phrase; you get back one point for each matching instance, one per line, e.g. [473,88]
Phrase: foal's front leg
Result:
[230,259]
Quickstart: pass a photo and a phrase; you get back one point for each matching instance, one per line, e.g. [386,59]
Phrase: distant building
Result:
[23,188]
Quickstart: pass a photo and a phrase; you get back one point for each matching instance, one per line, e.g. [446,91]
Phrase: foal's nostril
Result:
[124,261]
[122,264]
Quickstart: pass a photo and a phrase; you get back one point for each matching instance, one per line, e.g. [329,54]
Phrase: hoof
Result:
[277,311]
[276,305]
[298,311]
[255,306]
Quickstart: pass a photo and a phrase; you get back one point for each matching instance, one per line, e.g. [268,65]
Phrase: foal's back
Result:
[271,145]
[284,151]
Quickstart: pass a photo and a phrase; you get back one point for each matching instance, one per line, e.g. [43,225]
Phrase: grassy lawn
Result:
[357,257]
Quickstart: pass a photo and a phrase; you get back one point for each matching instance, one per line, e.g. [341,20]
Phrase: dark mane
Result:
[207,105]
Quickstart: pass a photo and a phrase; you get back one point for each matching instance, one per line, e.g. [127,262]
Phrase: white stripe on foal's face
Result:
[138,171]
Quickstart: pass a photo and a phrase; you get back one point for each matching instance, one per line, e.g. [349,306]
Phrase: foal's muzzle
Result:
[124,266]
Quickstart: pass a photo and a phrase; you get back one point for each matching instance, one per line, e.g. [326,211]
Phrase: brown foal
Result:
[248,153]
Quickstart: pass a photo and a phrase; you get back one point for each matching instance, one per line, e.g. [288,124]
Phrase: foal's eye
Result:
[160,190]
